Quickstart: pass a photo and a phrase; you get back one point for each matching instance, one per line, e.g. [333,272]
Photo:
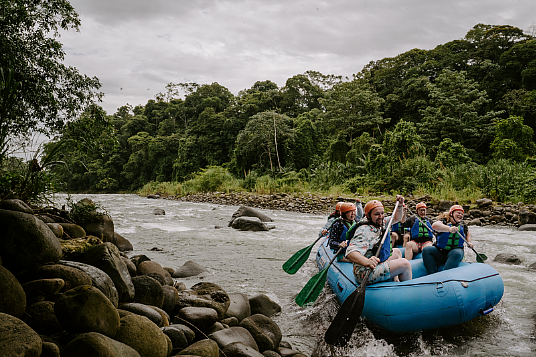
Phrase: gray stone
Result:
[143,335]
[528,227]
[262,304]
[239,306]
[12,295]
[177,336]
[200,317]
[73,230]
[14,204]
[159,212]
[249,224]
[484,202]
[148,291]
[86,309]
[507,258]
[265,331]
[143,310]
[203,348]
[99,279]
[205,295]
[244,211]
[107,258]
[238,349]
[56,228]
[188,269]
[17,339]
[26,242]
[234,334]
[526,217]
[42,318]
[122,243]
[95,344]
[171,296]
[102,226]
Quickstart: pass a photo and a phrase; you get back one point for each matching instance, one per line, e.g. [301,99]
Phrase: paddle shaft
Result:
[341,328]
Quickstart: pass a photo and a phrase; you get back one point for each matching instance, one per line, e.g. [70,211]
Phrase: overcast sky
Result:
[136,47]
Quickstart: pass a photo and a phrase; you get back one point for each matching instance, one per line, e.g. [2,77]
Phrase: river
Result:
[250,262]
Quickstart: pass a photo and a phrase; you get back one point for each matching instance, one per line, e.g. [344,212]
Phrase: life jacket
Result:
[420,232]
[449,241]
[346,234]
[385,251]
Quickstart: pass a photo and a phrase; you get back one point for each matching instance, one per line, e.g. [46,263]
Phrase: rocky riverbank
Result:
[70,287]
[482,212]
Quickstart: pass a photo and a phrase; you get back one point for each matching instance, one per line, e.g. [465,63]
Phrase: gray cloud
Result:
[136,47]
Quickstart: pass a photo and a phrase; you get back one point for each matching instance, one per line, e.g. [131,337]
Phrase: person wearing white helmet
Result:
[366,241]
[448,249]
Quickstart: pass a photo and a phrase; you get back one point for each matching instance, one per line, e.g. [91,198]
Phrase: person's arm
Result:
[397,216]
[335,234]
[358,258]
[439,226]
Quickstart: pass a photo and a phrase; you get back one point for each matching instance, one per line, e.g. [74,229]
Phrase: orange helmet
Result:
[455,208]
[421,205]
[338,207]
[371,205]
[347,207]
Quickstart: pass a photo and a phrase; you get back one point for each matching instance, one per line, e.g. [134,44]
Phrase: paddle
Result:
[343,325]
[294,263]
[314,286]
[481,258]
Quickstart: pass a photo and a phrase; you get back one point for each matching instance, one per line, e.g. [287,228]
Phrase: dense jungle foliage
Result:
[456,121]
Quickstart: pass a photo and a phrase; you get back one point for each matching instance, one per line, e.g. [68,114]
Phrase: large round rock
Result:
[12,295]
[143,335]
[239,306]
[205,295]
[42,318]
[93,344]
[265,331]
[87,309]
[234,334]
[148,291]
[26,242]
[262,304]
[17,339]
[205,348]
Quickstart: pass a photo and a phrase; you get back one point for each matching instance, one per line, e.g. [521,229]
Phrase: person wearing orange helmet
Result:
[366,241]
[343,228]
[448,250]
[336,214]
[420,234]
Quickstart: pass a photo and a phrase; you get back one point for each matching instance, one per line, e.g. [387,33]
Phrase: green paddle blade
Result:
[313,288]
[481,258]
[295,262]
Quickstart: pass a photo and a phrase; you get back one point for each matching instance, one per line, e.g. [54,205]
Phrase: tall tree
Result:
[50,93]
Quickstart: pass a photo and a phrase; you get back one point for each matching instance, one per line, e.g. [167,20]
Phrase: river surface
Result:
[250,263]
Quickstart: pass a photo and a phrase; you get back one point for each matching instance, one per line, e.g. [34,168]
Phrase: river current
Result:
[250,263]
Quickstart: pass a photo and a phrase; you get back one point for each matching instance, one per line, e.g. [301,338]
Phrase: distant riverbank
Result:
[482,212]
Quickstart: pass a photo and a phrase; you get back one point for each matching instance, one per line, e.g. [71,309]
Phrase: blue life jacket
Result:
[448,241]
[420,231]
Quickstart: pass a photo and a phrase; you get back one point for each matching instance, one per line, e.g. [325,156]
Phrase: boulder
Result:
[26,242]
[238,307]
[238,349]
[250,224]
[130,266]
[526,217]
[143,335]
[14,204]
[143,310]
[72,277]
[484,202]
[95,344]
[507,258]
[475,222]
[244,211]
[200,317]
[265,331]
[177,337]
[50,349]
[107,258]
[101,226]
[122,243]
[532,266]
[42,318]
[12,295]
[56,228]
[151,267]
[269,353]
[262,304]
[42,289]
[17,338]
[528,227]
[188,269]
[159,212]
[148,291]
[99,279]
[234,334]
[203,348]
[86,309]
[137,259]
[205,295]
[217,326]
[73,230]
[171,296]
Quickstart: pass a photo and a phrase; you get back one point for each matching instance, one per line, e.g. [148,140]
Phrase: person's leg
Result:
[454,258]
[431,257]
[400,268]
[397,254]
[411,248]
[406,239]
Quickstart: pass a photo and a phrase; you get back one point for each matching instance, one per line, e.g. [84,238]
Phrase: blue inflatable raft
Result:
[443,299]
